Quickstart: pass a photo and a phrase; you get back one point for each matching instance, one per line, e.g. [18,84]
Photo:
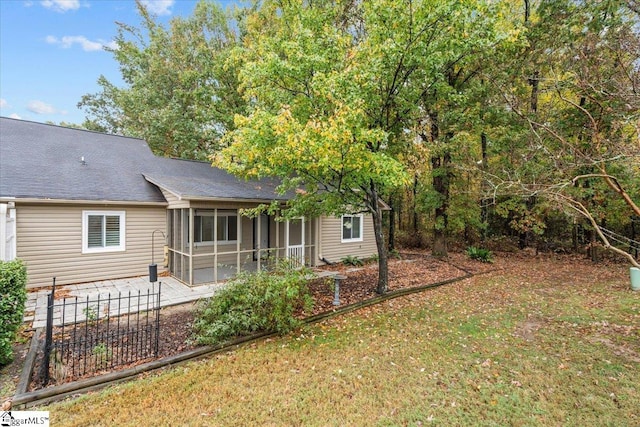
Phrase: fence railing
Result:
[296,254]
[95,334]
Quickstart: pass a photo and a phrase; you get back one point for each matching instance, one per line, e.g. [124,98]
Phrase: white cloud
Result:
[87,45]
[14,116]
[158,7]
[111,45]
[61,5]
[40,107]
[3,103]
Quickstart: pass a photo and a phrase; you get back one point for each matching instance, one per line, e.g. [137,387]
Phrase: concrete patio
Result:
[173,292]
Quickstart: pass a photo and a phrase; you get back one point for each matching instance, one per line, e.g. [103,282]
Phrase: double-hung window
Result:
[227,229]
[103,231]
[204,227]
[352,228]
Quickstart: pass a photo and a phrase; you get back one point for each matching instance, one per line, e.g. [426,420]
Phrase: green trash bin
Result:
[635,278]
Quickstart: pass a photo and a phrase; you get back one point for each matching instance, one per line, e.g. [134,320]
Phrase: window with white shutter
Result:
[103,231]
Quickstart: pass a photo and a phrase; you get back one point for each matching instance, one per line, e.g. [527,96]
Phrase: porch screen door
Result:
[294,236]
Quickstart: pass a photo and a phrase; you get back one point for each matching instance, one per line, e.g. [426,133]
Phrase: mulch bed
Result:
[412,270]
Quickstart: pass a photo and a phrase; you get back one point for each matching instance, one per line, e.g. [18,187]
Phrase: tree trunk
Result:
[534,90]
[440,171]
[593,247]
[392,223]
[484,208]
[383,252]
[522,240]
[441,186]
[415,204]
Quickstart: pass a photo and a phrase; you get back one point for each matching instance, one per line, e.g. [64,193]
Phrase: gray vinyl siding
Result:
[332,247]
[49,241]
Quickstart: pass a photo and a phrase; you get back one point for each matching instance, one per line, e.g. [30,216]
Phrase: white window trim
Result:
[85,232]
[227,214]
[212,242]
[357,239]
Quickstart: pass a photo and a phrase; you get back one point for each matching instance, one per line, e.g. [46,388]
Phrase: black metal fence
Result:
[86,336]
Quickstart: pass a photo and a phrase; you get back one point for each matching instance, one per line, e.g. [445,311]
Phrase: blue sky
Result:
[51,51]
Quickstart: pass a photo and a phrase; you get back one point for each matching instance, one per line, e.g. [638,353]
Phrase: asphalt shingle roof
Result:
[43,161]
[198,180]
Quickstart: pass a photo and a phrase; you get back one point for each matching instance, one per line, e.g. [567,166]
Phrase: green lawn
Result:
[544,343]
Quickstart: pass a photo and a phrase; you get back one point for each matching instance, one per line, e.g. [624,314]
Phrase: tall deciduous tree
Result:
[178,93]
[584,130]
[336,86]
[453,108]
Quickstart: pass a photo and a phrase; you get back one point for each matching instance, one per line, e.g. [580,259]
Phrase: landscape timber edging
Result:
[60,392]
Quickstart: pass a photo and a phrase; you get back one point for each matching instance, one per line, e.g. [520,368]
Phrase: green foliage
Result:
[352,260]
[572,112]
[480,254]
[90,313]
[102,355]
[254,302]
[348,99]
[523,215]
[13,280]
[179,94]
[396,254]
[338,89]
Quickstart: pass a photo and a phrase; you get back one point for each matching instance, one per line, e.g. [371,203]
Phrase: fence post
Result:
[48,340]
[157,328]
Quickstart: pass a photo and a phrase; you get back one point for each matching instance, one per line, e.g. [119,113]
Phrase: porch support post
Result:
[303,238]
[286,239]
[238,236]
[258,248]
[191,227]
[215,245]
[277,240]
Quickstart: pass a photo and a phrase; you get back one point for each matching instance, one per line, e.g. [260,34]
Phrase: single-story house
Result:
[84,206]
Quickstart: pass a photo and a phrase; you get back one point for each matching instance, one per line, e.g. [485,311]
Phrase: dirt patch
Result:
[527,330]
[617,349]
[62,294]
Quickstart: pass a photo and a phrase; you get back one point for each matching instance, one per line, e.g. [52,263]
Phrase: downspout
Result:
[319,238]
[13,251]
[190,231]
[3,231]
[316,241]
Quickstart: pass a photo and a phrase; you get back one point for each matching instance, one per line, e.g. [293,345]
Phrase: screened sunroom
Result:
[212,244]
